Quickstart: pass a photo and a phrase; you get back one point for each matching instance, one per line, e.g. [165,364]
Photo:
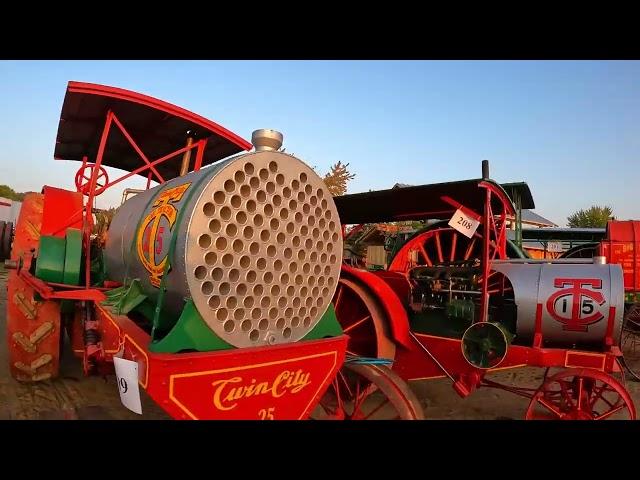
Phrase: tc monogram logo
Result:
[575,306]
[150,235]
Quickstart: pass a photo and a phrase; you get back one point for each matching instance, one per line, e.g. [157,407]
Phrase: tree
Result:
[7,192]
[337,179]
[593,217]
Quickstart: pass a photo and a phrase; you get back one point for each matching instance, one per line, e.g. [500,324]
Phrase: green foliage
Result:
[593,217]
[337,179]
[103,220]
[7,192]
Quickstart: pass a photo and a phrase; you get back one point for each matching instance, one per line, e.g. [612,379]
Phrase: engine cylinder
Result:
[257,246]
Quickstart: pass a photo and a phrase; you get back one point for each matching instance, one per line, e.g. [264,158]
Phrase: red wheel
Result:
[363,319]
[581,394]
[83,179]
[368,392]
[439,244]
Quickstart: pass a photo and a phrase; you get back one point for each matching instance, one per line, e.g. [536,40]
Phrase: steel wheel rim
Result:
[376,391]
[580,394]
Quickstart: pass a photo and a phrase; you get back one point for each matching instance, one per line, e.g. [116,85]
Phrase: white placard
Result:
[127,378]
[554,247]
[463,223]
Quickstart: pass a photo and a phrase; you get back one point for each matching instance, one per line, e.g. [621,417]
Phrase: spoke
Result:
[426,257]
[327,410]
[549,407]
[467,254]
[454,241]
[336,388]
[346,384]
[338,297]
[607,401]
[385,400]
[610,412]
[565,393]
[355,324]
[580,385]
[438,246]
[596,396]
[357,402]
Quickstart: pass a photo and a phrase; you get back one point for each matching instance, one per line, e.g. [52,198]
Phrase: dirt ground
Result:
[73,396]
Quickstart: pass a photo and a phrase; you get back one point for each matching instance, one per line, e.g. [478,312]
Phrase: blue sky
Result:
[567,128]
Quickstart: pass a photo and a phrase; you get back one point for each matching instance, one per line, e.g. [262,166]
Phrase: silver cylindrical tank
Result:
[258,246]
[577,301]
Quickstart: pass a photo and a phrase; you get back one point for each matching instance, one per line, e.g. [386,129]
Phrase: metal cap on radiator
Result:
[266,139]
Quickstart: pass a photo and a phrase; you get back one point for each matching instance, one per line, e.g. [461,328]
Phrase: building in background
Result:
[9,210]
[531,219]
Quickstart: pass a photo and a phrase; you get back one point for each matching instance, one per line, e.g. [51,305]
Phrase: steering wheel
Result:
[83,179]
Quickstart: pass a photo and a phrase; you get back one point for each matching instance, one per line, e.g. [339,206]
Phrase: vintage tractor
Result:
[460,301]
[212,289]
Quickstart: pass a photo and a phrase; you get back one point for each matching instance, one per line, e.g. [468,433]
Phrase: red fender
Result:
[390,302]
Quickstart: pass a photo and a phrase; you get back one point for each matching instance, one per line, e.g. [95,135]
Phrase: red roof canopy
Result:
[156,126]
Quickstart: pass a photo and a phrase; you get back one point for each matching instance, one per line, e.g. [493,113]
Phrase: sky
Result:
[567,128]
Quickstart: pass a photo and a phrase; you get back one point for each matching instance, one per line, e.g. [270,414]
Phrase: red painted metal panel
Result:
[583,359]
[397,281]
[62,209]
[278,382]
[622,246]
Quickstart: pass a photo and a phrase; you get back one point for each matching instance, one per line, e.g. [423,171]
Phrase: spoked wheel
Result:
[368,392]
[631,340]
[83,179]
[440,244]
[363,319]
[581,394]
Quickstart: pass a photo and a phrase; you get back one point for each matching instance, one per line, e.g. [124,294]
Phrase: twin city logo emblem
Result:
[575,306]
